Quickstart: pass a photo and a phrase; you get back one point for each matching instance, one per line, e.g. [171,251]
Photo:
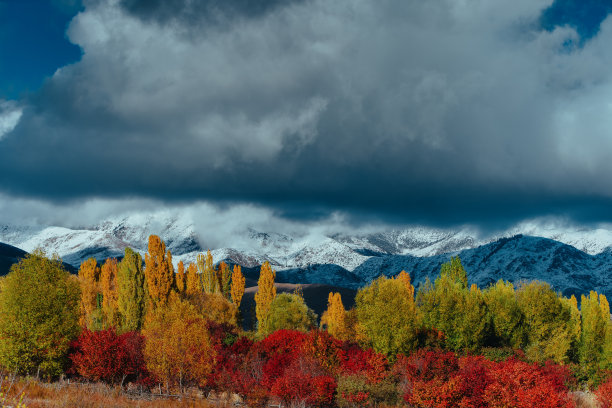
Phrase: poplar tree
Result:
[159,272]
[403,276]
[208,274]
[131,299]
[225,277]
[90,304]
[335,317]
[595,322]
[266,292]
[180,278]
[237,286]
[507,318]
[108,284]
[193,284]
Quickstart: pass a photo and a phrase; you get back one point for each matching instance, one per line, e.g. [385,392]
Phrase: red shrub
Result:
[304,382]
[604,393]
[522,385]
[105,356]
[367,363]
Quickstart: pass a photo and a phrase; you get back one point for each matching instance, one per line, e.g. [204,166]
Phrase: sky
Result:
[440,112]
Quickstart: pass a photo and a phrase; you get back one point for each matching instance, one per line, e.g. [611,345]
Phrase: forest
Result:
[139,324]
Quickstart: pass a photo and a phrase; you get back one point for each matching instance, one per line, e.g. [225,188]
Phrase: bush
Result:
[105,356]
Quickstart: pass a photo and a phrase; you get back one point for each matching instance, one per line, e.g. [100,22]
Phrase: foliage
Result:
[159,272]
[106,356]
[39,315]
[209,280]
[224,277]
[131,297]
[604,393]
[177,344]
[90,304]
[214,307]
[180,278]
[388,316]
[335,320]
[108,285]
[288,311]
[460,313]
[548,323]
[507,319]
[237,286]
[266,292]
[193,284]
[595,326]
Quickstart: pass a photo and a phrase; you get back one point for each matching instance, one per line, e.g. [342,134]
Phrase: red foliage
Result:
[105,356]
[368,363]
[523,385]
[305,382]
[604,393]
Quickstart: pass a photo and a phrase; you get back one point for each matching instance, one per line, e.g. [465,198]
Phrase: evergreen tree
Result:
[131,299]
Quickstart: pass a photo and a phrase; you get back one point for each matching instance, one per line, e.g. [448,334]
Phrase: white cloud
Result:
[10,114]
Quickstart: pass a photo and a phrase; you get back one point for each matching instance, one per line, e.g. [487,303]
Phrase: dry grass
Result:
[585,400]
[74,395]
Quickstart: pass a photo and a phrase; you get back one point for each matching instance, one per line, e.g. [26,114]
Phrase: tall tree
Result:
[595,321]
[193,283]
[39,316]
[237,287]
[405,277]
[225,278]
[388,316]
[159,272]
[266,292]
[506,315]
[288,311]
[131,296]
[208,273]
[108,284]
[181,278]
[335,317]
[90,305]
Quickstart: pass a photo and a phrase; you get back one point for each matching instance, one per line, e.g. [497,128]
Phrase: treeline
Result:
[447,344]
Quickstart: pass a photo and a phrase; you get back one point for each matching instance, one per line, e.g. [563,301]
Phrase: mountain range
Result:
[572,260]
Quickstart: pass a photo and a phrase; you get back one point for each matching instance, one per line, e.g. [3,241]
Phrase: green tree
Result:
[461,314]
[507,319]
[595,322]
[288,311]
[548,322]
[387,314]
[39,316]
[131,296]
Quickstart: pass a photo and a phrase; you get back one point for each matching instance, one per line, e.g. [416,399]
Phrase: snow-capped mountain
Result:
[571,259]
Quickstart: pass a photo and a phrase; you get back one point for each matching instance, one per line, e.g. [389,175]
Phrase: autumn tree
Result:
[131,296]
[208,273]
[215,307]
[225,277]
[403,276]
[193,284]
[177,344]
[91,296]
[159,272]
[181,278]
[39,316]
[595,325]
[547,318]
[108,285]
[506,315]
[266,292]
[288,311]
[388,316]
[237,285]
[449,306]
[334,318]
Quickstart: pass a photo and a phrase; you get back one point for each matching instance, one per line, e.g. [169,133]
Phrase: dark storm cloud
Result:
[439,112]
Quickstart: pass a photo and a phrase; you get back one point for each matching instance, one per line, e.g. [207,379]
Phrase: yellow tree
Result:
[335,317]
[89,275]
[208,274]
[404,277]
[237,288]
[181,278]
[177,344]
[266,292]
[159,272]
[108,284]
[193,285]
[225,277]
